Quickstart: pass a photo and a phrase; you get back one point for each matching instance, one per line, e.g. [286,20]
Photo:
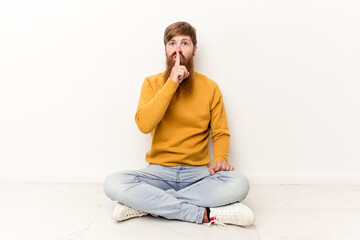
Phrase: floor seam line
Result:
[92,220]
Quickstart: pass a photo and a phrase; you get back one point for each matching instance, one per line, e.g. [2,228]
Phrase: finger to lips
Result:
[177,61]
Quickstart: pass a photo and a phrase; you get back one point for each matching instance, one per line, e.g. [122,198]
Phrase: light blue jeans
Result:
[176,192]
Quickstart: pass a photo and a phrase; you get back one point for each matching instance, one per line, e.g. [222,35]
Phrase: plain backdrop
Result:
[71,73]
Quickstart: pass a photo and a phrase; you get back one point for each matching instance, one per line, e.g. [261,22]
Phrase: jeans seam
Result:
[152,178]
[193,185]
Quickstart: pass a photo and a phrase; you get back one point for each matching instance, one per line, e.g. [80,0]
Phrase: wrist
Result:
[173,79]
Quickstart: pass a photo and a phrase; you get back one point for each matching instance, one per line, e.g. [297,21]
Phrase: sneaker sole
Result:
[117,212]
[244,215]
[120,212]
[247,215]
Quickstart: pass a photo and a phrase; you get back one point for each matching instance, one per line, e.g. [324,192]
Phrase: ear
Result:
[195,47]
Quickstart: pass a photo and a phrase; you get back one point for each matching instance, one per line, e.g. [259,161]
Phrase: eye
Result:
[172,43]
[185,43]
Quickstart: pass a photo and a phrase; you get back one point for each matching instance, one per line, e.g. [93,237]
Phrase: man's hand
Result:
[178,72]
[220,165]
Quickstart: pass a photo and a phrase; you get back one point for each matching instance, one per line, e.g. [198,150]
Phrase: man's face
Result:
[181,43]
[186,49]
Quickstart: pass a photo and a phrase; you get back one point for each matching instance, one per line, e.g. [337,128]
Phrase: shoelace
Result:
[217,222]
[134,212]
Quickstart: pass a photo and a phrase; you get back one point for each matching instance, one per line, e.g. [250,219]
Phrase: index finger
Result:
[177,61]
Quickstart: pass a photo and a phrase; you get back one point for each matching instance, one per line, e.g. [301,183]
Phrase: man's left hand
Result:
[220,165]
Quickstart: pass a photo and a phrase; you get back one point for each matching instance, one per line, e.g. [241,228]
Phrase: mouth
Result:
[175,57]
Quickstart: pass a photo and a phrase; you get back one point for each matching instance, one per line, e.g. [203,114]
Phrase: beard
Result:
[185,87]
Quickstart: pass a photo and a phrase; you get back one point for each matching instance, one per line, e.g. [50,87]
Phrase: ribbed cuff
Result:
[200,215]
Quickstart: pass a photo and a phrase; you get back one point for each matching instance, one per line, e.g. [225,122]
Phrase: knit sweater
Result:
[180,125]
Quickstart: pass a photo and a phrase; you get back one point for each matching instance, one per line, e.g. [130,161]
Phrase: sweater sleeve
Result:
[219,128]
[153,105]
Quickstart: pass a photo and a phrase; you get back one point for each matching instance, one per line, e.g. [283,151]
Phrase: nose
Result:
[178,48]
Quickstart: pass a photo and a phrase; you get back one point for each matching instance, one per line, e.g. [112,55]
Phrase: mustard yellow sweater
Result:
[180,126]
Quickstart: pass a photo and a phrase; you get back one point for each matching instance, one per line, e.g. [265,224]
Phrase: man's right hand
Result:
[178,72]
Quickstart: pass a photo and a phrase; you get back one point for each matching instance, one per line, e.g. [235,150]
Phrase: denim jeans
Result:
[176,192]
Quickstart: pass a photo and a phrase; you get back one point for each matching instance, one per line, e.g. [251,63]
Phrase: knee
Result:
[240,185]
[243,186]
[113,185]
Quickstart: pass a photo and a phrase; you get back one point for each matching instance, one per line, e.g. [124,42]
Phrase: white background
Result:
[71,73]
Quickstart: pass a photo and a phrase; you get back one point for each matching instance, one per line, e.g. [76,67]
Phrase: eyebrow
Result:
[184,39]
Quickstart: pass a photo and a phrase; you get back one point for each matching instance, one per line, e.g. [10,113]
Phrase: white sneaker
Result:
[236,213]
[122,212]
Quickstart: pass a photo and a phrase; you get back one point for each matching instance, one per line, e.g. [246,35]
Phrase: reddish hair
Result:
[180,28]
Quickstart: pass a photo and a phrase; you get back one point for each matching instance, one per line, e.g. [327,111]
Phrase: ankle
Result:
[206,217]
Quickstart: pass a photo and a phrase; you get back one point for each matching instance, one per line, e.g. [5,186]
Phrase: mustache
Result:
[183,59]
[174,54]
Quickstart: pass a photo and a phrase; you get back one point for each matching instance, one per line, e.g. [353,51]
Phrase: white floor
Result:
[81,211]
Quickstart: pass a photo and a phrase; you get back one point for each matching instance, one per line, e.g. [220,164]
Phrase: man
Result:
[180,107]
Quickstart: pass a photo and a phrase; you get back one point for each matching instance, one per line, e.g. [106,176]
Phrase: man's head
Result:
[180,37]
[180,28]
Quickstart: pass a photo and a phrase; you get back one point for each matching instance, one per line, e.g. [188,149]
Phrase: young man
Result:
[180,107]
